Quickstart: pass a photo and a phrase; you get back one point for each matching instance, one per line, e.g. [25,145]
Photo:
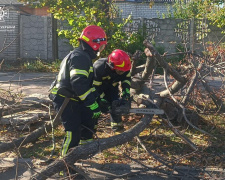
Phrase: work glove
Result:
[120,106]
[126,94]
[95,109]
[104,105]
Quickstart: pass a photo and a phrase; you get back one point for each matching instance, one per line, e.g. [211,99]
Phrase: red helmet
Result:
[94,36]
[119,60]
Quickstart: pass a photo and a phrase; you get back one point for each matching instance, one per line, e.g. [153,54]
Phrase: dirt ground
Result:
[31,83]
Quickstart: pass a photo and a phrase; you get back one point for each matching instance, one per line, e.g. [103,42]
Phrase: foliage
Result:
[210,9]
[41,66]
[76,15]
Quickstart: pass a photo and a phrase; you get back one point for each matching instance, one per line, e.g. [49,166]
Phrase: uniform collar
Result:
[85,47]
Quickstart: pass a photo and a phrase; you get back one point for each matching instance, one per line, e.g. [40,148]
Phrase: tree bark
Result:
[149,66]
[164,64]
[176,86]
[85,151]
[135,59]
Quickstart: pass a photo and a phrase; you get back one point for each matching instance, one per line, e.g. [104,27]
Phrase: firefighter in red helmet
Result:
[75,80]
[109,73]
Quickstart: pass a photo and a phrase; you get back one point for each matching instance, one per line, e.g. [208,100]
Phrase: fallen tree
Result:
[142,83]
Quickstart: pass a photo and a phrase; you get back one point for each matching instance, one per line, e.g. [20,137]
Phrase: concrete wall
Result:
[36,38]
[169,33]
[9,34]
[29,36]
[142,10]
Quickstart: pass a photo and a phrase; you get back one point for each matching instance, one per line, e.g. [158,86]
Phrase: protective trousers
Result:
[77,121]
[112,94]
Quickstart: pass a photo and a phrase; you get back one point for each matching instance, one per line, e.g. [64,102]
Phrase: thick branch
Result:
[176,86]
[149,66]
[164,64]
[191,87]
[84,151]
[32,137]
[181,106]
[135,59]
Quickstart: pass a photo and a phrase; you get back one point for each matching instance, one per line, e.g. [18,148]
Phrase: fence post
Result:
[143,26]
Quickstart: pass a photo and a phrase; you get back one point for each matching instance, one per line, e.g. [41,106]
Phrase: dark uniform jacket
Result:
[104,78]
[76,75]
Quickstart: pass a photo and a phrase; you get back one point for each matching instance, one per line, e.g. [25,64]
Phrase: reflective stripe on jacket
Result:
[76,75]
[103,76]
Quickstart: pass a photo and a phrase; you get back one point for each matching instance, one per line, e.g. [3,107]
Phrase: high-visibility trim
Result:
[128,75]
[85,38]
[82,142]
[113,124]
[83,96]
[115,83]
[97,83]
[127,91]
[106,77]
[55,90]
[91,69]
[126,81]
[78,71]
[66,143]
[102,95]
[121,65]
[93,106]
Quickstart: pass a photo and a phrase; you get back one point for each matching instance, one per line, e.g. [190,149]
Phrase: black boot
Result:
[116,123]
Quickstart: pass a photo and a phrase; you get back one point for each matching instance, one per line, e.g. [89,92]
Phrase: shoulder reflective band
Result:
[126,81]
[78,71]
[97,83]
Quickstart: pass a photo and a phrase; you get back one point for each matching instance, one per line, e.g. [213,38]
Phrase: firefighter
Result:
[75,80]
[109,73]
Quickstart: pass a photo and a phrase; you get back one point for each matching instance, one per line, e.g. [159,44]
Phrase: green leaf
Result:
[71,22]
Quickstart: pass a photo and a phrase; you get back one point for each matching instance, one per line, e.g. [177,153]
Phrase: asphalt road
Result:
[26,83]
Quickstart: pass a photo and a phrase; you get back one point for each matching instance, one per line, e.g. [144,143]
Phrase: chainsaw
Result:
[124,108]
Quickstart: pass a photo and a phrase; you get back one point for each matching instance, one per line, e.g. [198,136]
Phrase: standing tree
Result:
[76,15]
[210,9]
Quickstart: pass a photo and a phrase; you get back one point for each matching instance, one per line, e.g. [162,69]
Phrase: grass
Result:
[32,66]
